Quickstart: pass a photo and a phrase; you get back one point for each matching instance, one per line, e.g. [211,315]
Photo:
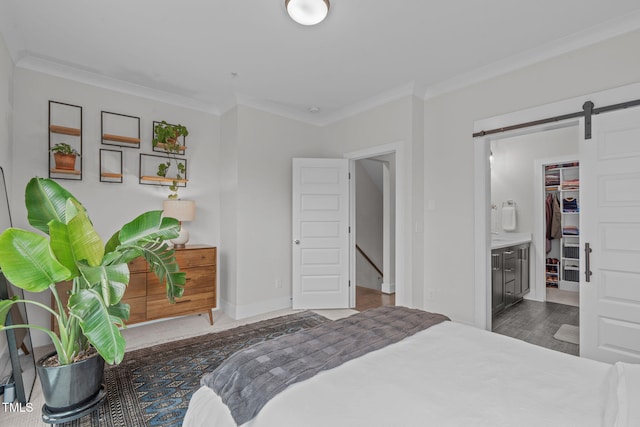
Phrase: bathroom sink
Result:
[510,239]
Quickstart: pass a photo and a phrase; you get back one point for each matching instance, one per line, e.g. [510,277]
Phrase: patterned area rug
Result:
[152,386]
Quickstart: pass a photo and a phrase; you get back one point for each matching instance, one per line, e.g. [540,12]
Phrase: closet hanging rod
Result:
[587,112]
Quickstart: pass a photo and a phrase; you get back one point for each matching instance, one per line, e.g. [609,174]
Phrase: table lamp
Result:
[182,210]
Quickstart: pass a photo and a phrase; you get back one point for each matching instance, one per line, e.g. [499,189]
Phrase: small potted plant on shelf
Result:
[166,137]
[64,156]
[88,325]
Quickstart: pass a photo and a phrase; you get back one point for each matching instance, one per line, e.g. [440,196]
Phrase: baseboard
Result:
[237,312]
[388,288]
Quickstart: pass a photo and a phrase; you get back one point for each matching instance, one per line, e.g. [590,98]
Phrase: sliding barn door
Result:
[320,244]
[610,229]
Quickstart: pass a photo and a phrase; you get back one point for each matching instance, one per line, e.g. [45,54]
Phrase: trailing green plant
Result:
[73,251]
[64,148]
[166,136]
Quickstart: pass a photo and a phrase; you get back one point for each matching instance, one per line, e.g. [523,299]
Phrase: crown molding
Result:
[277,109]
[370,103]
[45,66]
[596,34]
[325,118]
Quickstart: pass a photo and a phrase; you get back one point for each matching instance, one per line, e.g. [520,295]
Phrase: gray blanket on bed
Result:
[248,379]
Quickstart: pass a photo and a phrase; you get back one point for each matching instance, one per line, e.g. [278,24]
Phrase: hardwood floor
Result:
[367,298]
[536,322]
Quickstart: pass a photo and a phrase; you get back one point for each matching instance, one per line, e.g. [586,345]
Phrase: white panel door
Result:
[610,206]
[320,263]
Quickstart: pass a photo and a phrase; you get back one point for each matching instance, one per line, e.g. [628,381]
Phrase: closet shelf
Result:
[562,186]
[66,171]
[162,179]
[64,130]
[119,138]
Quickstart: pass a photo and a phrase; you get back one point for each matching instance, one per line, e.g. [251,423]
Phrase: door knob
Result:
[297,242]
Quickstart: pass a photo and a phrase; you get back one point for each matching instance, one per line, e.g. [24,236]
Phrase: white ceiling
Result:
[213,54]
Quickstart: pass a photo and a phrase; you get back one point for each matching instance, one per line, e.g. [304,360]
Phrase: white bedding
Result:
[448,375]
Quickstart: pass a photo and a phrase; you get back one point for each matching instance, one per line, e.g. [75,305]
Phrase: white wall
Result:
[419,204]
[111,205]
[266,145]
[449,153]
[228,179]
[6,90]
[369,225]
[6,108]
[398,121]
[512,169]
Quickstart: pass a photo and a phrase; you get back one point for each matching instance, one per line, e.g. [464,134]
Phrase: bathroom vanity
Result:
[509,269]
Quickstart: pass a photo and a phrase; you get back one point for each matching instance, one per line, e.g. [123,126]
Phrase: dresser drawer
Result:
[137,309]
[195,257]
[201,278]
[137,285]
[199,285]
[138,265]
[188,304]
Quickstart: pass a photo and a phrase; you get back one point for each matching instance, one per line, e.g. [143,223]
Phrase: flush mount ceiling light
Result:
[307,12]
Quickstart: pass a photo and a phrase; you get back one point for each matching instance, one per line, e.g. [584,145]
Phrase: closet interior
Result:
[562,226]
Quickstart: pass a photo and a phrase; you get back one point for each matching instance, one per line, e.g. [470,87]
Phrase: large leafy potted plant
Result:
[73,251]
[166,137]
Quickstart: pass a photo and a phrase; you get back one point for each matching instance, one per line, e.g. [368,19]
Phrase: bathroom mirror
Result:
[17,362]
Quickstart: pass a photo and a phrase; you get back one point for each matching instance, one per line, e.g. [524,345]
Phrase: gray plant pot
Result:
[70,386]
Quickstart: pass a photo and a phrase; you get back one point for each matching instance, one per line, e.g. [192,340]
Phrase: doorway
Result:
[608,318]
[396,246]
[374,231]
[528,173]
[321,172]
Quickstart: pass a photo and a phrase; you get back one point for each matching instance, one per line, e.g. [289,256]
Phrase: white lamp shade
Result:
[182,210]
[307,12]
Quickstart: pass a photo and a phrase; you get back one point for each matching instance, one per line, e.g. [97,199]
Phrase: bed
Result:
[448,374]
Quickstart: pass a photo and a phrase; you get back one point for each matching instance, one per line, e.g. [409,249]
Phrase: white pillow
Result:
[623,408]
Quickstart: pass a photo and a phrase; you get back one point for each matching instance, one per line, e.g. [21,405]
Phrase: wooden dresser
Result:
[148,299]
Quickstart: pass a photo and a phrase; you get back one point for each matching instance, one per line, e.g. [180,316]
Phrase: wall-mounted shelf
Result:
[65,127]
[63,130]
[149,168]
[111,169]
[118,138]
[110,175]
[162,179]
[65,171]
[161,148]
[120,130]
